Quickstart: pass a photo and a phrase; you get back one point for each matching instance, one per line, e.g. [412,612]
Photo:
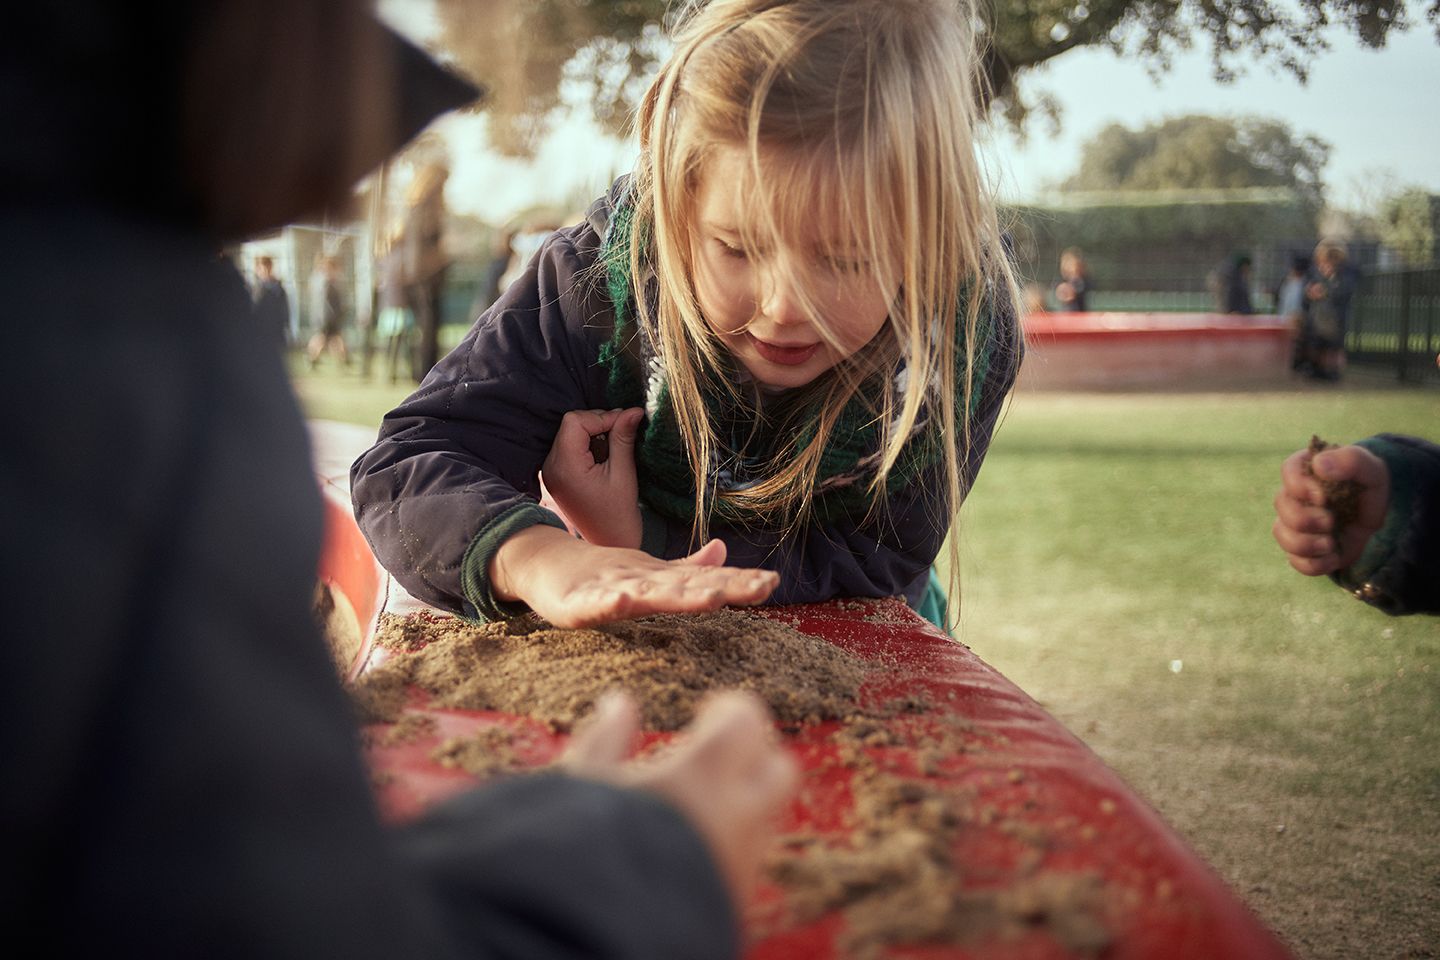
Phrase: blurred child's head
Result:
[1329,255]
[814,200]
[1072,263]
[264,267]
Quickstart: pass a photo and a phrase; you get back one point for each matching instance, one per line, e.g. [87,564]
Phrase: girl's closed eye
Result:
[849,266]
[730,250]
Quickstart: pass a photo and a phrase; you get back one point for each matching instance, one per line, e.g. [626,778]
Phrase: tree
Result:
[521,49]
[1410,223]
[1201,152]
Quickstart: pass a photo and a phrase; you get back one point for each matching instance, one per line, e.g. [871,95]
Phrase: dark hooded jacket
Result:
[181,769]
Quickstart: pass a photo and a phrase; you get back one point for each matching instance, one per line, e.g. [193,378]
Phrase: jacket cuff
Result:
[1383,574]
[480,601]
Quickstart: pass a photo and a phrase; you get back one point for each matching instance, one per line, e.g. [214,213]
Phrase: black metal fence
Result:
[1171,277]
[1395,324]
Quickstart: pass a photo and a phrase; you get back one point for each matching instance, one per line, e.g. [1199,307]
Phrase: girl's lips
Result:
[785,356]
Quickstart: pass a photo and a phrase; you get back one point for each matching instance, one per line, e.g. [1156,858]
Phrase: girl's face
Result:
[751,299]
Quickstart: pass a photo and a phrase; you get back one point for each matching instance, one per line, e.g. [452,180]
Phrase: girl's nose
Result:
[780,300]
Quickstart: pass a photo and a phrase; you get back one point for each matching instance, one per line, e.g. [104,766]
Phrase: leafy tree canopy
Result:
[1410,223]
[526,51]
[1200,152]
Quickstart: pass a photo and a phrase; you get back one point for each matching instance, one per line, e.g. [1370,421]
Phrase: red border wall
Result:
[1116,351]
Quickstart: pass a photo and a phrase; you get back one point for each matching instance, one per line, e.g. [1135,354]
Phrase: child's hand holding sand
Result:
[1331,501]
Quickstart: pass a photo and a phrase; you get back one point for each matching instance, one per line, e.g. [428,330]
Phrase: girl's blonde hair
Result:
[855,114]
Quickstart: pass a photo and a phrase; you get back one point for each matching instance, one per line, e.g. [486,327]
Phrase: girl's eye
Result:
[848,267]
[731,251]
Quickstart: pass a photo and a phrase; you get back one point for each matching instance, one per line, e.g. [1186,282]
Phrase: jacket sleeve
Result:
[1399,572]
[886,554]
[456,467]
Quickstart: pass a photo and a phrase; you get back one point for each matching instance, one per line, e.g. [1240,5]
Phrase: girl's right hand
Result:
[598,495]
[572,583]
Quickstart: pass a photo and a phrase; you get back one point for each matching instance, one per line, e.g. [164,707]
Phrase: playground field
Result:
[1117,564]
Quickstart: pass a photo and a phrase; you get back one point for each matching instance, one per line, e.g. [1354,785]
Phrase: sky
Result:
[1372,107]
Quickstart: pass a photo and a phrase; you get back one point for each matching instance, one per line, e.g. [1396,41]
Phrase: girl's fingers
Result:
[734,582]
[578,426]
[626,427]
[673,587]
[740,585]
[750,587]
[712,554]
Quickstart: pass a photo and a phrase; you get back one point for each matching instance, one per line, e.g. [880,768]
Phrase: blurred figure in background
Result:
[1072,293]
[395,326]
[1230,285]
[327,311]
[426,262]
[1331,288]
[1291,304]
[272,304]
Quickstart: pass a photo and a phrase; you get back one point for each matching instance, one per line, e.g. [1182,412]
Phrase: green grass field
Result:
[1118,565]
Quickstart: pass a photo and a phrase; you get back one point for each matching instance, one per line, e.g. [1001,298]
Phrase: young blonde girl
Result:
[768,364]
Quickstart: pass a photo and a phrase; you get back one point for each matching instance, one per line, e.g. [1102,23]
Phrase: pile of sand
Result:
[668,663]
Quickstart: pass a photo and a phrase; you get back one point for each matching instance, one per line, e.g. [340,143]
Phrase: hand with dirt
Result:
[590,473]
[1330,503]
[572,583]
[726,774]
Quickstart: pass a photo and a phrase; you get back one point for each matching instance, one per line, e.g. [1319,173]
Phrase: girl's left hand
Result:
[599,496]
[572,583]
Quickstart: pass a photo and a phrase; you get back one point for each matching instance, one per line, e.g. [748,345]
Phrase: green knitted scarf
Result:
[636,377]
